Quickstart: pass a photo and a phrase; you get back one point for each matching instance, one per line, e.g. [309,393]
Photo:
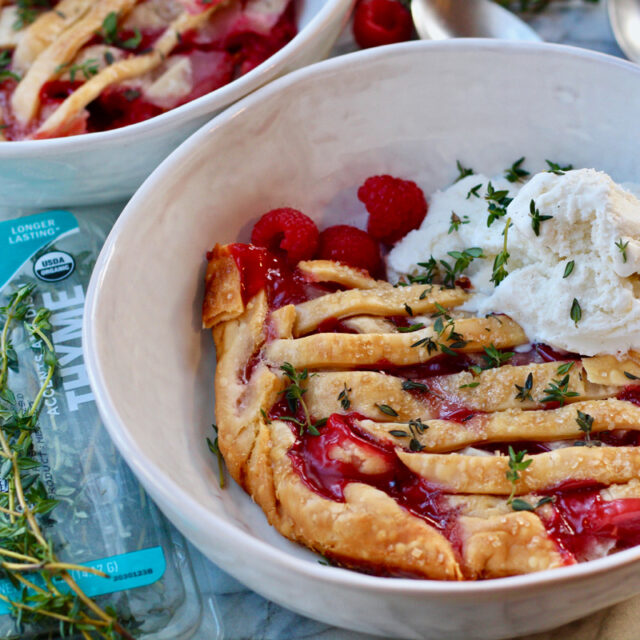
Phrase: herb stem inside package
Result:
[83,551]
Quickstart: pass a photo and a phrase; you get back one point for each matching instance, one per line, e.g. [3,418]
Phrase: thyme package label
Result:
[99,517]
[126,571]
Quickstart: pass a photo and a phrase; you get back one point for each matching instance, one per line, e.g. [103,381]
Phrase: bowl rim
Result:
[217,99]
[178,500]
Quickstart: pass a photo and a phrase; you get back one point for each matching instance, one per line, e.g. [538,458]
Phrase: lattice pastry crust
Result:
[367,527]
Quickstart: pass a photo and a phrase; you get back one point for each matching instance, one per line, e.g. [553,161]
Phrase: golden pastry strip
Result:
[25,100]
[367,391]
[45,29]
[376,302]
[609,370]
[325,351]
[123,70]
[487,474]
[330,271]
[223,289]
[511,425]
[496,390]
[369,324]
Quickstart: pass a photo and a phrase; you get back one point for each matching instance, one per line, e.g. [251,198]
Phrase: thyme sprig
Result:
[5,61]
[88,69]
[445,272]
[456,221]
[558,391]
[494,358]
[498,203]
[622,248]
[343,398]
[558,169]
[463,172]
[110,34]
[215,449]
[517,464]
[536,218]
[416,428]
[515,173]
[499,264]
[585,424]
[294,395]
[524,391]
[25,550]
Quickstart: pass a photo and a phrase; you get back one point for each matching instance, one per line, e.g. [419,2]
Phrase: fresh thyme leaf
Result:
[456,221]
[214,448]
[463,172]
[263,413]
[517,464]
[558,391]
[494,358]
[536,218]
[585,424]
[545,500]
[631,376]
[576,311]
[515,173]
[408,309]
[499,264]
[396,433]
[524,392]
[134,41]
[5,61]
[559,170]
[343,397]
[387,410]
[518,504]
[428,343]
[411,328]
[471,385]
[109,30]
[565,368]
[622,247]
[412,385]
[474,191]
[569,268]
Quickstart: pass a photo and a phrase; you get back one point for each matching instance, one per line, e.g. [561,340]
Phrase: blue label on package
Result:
[22,238]
[126,571]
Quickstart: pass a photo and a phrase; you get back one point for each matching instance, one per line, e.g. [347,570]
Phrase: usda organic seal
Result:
[54,266]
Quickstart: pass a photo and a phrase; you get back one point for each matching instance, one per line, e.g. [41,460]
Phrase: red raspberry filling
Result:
[287,230]
[395,207]
[351,246]
[378,22]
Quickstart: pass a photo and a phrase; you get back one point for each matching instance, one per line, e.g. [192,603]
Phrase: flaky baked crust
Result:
[367,528]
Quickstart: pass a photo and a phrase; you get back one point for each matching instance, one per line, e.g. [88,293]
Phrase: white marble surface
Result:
[232,612]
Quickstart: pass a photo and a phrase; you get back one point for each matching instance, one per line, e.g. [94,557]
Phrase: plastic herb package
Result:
[88,504]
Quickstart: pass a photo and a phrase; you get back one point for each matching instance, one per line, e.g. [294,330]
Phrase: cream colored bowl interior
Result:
[308,141]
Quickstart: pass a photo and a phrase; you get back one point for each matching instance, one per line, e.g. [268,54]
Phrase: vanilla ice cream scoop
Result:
[586,256]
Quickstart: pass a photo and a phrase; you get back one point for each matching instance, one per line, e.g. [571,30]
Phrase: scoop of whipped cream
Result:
[595,225]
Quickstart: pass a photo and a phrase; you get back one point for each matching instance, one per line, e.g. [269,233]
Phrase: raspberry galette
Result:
[79,66]
[393,433]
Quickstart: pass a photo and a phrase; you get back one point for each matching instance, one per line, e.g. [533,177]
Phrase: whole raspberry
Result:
[377,22]
[351,246]
[395,207]
[287,230]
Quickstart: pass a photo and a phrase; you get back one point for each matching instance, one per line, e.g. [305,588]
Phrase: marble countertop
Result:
[232,612]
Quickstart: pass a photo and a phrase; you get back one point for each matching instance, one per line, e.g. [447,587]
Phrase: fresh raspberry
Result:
[395,207]
[352,246]
[377,22]
[288,230]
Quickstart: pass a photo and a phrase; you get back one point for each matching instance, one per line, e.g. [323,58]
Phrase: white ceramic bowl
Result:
[308,140]
[109,166]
